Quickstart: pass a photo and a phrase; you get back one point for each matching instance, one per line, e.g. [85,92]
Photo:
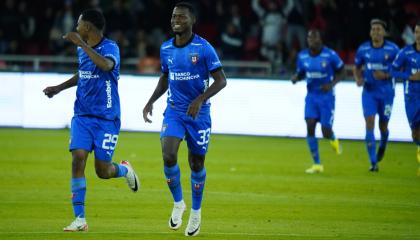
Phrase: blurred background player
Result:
[322,68]
[407,67]
[374,58]
[186,62]
[96,122]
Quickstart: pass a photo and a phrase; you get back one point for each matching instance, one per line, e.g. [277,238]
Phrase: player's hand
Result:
[148,109]
[415,76]
[75,38]
[360,81]
[194,107]
[295,78]
[380,75]
[51,91]
[326,87]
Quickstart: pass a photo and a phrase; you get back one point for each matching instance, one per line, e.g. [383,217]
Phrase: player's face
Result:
[82,28]
[181,20]
[417,34]
[377,32]
[314,40]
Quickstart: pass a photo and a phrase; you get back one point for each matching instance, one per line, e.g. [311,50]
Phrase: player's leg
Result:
[171,136]
[105,141]
[384,112]
[416,138]
[327,120]
[80,144]
[198,138]
[370,109]
[311,117]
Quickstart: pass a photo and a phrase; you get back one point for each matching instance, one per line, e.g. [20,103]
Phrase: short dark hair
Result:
[378,21]
[95,17]
[186,5]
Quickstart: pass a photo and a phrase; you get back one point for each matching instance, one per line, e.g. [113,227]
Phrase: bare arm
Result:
[218,84]
[357,74]
[338,76]
[53,90]
[160,89]
[102,62]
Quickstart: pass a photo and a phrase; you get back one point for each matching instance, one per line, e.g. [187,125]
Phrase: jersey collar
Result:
[185,44]
[99,43]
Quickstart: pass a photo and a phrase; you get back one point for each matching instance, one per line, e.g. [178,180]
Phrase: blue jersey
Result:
[377,59]
[407,63]
[97,90]
[188,70]
[319,69]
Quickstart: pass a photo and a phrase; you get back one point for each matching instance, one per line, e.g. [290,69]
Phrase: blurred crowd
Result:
[253,30]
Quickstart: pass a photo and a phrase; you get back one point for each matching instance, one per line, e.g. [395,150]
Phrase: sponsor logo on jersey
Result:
[183,76]
[108,94]
[87,75]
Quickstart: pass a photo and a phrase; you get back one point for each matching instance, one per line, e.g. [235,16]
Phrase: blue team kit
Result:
[319,70]
[96,122]
[188,70]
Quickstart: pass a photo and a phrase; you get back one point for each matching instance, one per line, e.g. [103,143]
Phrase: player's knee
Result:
[169,159]
[197,166]
[327,132]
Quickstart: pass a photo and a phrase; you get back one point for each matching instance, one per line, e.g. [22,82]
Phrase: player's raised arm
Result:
[54,90]
[160,89]
[218,84]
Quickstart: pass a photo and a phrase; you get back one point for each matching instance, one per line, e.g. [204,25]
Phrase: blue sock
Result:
[197,186]
[120,170]
[313,147]
[371,145]
[173,178]
[384,139]
[78,188]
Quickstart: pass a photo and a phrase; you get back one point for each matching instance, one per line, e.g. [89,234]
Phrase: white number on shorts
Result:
[388,110]
[110,141]
[204,136]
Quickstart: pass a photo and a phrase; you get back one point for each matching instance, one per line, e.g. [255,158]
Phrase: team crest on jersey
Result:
[324,64]
[194,58]
[386,56]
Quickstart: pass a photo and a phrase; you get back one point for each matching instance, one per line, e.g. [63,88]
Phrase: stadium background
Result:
[256,186]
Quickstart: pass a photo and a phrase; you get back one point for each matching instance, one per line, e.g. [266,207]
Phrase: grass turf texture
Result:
[256,189]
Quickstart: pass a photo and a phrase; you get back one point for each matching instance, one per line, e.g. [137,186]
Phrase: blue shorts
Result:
[412,109]
[377,104]
[320,107]
[92,133]
[195,131]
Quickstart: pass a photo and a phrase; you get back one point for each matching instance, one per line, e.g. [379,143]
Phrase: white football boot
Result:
[131,177]
[194,223]
[175,221]
[78,225]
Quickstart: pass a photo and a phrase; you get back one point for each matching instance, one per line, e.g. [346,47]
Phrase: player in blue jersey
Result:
[186,61]
[96,121]
[406,66]
[322,68]
[374,59]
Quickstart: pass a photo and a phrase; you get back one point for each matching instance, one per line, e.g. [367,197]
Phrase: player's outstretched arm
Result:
[160,89]
[54,90]
[102,62]
[218,84]
[357,74]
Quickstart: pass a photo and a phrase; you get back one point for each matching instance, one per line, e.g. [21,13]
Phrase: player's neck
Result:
[183,38]
[94,39]
[418,46]
[378,44]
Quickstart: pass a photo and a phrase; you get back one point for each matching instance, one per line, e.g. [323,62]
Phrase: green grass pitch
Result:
[256,189]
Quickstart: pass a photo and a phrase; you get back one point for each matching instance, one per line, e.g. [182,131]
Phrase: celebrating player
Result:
[322,68]
[96,122]
[375,58]
[186,61]
[407,67]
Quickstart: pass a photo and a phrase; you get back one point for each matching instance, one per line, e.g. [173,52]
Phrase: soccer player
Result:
[186,61]
[406,66]
[322,68]
[374,58]
[96,121]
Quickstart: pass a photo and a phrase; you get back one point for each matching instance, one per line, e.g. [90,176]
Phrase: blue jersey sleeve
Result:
[212,60]
[300,71]
[398,64]
[111,51]
[358,58]
[336,61]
